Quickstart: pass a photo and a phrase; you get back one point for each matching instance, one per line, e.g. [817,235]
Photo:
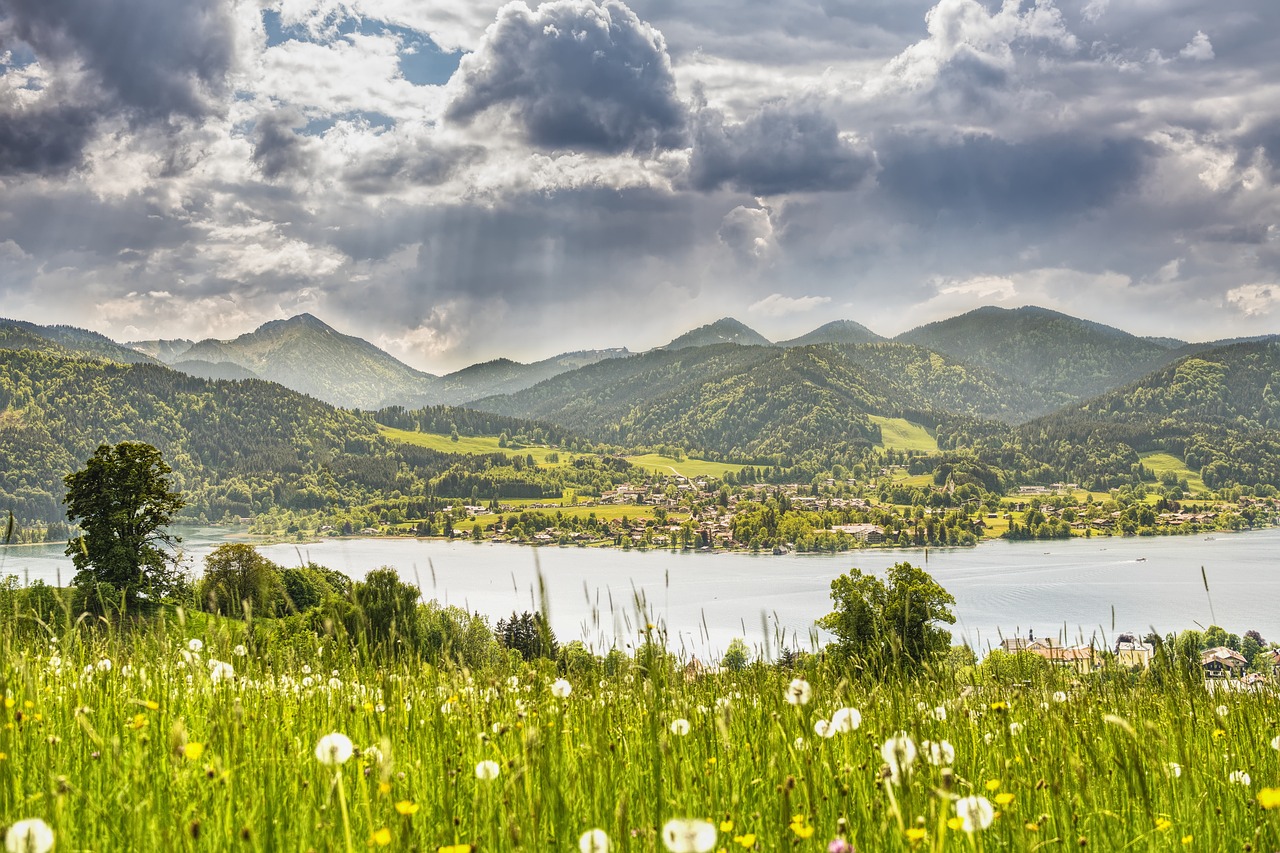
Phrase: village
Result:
[1223,667]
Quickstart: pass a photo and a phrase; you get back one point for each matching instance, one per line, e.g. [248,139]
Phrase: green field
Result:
[203,736]
[1160,463]
[686,467]
[901,434]
[475,444]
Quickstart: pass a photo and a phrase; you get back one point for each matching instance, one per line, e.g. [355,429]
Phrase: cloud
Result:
[1198,49]
[575,74]
[1006,182]
[748,233]
[278,151]
[777,305]
[43,141]
[1254,300]
[156,58]
[783,147]
[406,157]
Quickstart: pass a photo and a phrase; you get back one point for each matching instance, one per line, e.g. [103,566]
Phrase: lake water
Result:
[1074,590]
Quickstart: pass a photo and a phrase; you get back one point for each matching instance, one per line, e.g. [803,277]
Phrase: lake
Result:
[1075,589]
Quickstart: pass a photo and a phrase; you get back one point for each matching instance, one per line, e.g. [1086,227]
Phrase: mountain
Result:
[163,351]
[19,334]
[504,376]
[750,402]
[835,332]
[1062,359]
[724,331]
[1218,411]
[307,355]
[214,370]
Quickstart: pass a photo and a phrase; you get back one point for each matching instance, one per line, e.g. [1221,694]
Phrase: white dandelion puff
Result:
[487,771]
[941,753]
[1239,777]
[195,644]
[561,688]
[899,752]
[32,835]
[798,692]
[688,836]
[680,726]
[594,841]
[975,813]
[846,719]
[334,749]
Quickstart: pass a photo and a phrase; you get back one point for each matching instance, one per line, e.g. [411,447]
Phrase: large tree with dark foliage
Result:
[123,500]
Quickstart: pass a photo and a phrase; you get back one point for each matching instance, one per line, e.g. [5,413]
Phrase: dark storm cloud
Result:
[782,148]
[408,162]
[575,75]
[277,149]
[42,141]
[157,58]
[1001,182]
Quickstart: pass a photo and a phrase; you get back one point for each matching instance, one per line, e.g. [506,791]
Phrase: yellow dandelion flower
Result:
[151,705]
[747,840]
[955,823]
[1186,839]
[1163,824]
[454,848]
[138,721]
[1000,706]
[726,826]
[1269,798]
[916,833]
[1004,799]
[408,808]
[8,702]
[384,788]
[1219,733]
[1030,826]
[193,750]
[993,784]
[382,837]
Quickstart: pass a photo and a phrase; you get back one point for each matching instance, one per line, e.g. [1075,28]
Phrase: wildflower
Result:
[688,836]
[823,728]
[846,719]
[1015,728]
[1175,769]
[975,813]
[726,826]
[899,752]
[1239,777]
[139,721]
[839,845]
[1004,799]
[407,808]
[454,848]
[195,645]
[306,669]
[1000,706]
[594,841]
[32,835]
[916,833]
[487,771]
[333,749]
[192,750]
[561,688]
[1269,798]
[993,784]
[1222,710]
[1163,824]
[747,840]
[240,651]
[1275,742]
[988,738]
[800,826]
[680,726]
[335,683]
[940,753]
[104,665]
[381,837]
[798,692]
[1059,696]
[220,671]
[940,714]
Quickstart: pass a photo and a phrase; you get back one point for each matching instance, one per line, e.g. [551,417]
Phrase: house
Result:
[1134,655]
[872,534]
[1221,662]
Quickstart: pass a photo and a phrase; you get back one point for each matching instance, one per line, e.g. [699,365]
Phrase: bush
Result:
[240,581]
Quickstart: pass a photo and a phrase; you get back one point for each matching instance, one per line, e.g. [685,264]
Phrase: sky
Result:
[458,180]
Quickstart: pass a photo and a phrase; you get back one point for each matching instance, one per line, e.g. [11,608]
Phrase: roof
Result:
[1222,654]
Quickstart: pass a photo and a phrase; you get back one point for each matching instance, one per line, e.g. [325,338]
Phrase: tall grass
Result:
[134,739]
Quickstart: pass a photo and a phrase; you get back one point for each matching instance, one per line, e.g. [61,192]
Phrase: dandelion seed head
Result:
[798,692]
[487,771]
[680,726]
[846,719]
[561,688]
[689,836]
[334,749]
[32,835]
[975,813]
[594,841]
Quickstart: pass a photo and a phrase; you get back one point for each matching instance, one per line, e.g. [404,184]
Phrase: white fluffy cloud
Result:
[777,305]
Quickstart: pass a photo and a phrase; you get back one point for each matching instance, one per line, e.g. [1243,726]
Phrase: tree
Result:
[388,611]
[123,499]
[240,581]
[890,622]
[737,656]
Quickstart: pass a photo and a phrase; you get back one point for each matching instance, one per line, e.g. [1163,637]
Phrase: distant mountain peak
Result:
[835,332]
[726,330]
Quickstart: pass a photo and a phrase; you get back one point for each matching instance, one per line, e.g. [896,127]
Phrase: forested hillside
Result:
[236,447]
[1059,359]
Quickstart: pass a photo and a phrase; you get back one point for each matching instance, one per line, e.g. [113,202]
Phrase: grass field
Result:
[1161,463]
[470,444]
[686,467]
[208,737]
[901,434]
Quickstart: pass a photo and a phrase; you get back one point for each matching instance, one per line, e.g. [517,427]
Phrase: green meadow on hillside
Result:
[901,434]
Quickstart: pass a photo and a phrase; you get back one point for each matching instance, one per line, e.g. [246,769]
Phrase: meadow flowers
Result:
[688,836]
[940,753]
[680,727]
[594,841]
[975,813]
[29,836]
[846,719]
[195,645]
[334,749]
[1239,777]
[899,753]
[561,688]
[487,771]
[798,692]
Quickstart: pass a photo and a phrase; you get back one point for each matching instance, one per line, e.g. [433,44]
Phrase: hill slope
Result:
[835,332]
[504,376]
[753,402]
[19,334]
[723,331]
[1060,359]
